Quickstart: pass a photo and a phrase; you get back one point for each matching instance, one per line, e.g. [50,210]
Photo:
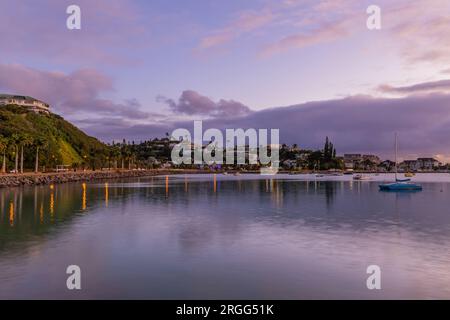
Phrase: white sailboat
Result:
[399,184]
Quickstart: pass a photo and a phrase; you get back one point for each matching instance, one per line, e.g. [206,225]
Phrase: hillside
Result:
[61,142]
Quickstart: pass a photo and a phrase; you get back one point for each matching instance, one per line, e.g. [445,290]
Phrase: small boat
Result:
[409,174]
[360,177]
[319,175]
[399,184]
[237,173]
[225,173]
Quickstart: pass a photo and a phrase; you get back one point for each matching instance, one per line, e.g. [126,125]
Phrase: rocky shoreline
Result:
[30,179]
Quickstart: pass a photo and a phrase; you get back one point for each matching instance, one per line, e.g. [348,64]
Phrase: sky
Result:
[311,68]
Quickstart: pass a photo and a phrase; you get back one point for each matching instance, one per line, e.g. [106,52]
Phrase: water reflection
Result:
[304,200]
[11,214]
[106,194]
[287,234]
[83,201]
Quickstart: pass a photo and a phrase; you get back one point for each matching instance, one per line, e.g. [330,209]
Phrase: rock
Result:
[57,178]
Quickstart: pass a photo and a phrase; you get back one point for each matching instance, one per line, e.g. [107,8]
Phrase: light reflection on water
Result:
[226,237]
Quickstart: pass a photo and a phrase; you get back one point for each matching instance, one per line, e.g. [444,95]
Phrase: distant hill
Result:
[62,142]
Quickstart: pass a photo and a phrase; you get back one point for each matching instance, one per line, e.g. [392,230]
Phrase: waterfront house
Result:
[428,164]
[351,160]
[372,158]
[289,164]
[387,165]
[409,165]
[349,157]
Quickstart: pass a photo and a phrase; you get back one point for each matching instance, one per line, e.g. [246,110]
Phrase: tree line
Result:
[54,142]
[23,152]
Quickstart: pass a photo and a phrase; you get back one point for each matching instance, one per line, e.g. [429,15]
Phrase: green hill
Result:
[61,142]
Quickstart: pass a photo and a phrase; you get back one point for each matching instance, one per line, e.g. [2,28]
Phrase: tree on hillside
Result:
[114,154]
[126,154]
[314,159]
[123,153]
[27,140]
[40,143]
[3,147]
[92,157]
[15,140]
[328,151]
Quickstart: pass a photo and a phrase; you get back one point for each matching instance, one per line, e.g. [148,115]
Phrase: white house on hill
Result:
[25,101]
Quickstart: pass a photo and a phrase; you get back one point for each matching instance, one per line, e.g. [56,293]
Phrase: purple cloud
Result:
[38,29]
[68,94]
[420,30]
[325,33]
[193,103]
[425,87]
[417,31]
[355,124]
[245,22]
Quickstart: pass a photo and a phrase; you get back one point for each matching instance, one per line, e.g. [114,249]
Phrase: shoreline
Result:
[34,179]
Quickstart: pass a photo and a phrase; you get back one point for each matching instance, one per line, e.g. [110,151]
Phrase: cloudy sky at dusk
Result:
[140,68]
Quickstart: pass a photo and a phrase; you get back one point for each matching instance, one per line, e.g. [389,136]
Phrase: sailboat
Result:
[399,184]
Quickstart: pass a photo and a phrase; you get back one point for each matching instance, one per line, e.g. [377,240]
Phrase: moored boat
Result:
[337,174]
[399,184]
[360,177]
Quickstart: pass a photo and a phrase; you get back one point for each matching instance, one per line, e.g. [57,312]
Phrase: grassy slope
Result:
[65,142]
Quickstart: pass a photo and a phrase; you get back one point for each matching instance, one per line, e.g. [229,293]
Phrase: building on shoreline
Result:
[421,164]
[428,163]
[25,101]
[361,161]
[351,160]
[410,165]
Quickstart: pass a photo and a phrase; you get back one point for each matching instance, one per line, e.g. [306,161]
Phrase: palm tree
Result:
[3,147]
[115,154]
[26,141]
[124,153]
[92,157]
[39,143]
[15,139]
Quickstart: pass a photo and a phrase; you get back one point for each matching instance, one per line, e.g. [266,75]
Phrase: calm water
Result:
[293,237]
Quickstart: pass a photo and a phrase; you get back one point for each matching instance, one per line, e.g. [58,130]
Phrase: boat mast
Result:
[396,152]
